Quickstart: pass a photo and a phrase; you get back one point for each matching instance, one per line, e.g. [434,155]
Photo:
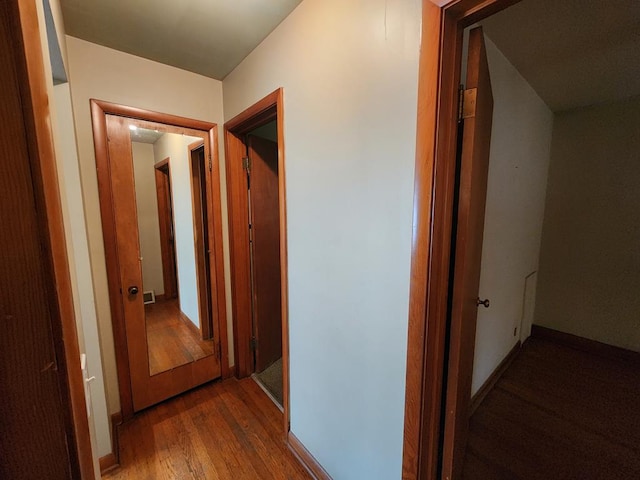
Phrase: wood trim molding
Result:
[488,385]
[99,110]
[306,459]
[111,461]
[108,463]
[586,345]
[35,103]
[265,110]
[439,77]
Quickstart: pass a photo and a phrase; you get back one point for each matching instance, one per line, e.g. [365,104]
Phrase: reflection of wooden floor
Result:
[171,341]
[226,430]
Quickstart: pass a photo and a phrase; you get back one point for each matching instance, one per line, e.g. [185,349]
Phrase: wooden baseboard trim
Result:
[108,463]
[488,385]
[586,345]
[306,459]
[111,461]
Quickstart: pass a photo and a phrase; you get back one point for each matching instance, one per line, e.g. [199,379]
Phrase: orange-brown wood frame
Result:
[269,108]
[439,77]
[99,111]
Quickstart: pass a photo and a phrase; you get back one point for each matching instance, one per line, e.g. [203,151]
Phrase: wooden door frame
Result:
[439,77]
[168,267]
[29,66]
[269,108]
[99,110]
[206,320]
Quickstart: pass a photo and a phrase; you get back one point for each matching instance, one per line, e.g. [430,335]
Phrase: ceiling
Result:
[202,36]
[572,52]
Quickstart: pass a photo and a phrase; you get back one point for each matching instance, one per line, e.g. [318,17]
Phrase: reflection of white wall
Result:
[147,210]
[519,161]
[174,146]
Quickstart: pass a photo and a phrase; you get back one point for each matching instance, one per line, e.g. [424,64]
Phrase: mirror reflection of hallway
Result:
[262,152]
[166,178]
[160,212]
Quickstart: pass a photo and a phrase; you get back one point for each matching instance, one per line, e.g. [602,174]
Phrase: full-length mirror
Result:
[168,175]
[159,186]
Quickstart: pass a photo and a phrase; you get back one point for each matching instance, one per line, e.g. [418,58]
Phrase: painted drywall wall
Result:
[349,70]
[590,261]
[105,74]
[175,147]
[148,222]
[78,250]
[518,167]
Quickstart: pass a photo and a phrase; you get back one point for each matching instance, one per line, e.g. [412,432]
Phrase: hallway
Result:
[227,430]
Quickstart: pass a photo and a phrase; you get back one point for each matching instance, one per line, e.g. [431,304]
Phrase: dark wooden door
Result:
[265,242]
[34,440]
[469,225]
[165,221]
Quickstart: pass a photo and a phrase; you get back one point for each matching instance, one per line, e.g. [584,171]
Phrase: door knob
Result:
[133,290]
[484,302]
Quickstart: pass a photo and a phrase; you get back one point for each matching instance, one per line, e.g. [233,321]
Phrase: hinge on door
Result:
[460,101]
[210,163]
[246,163]
[253,343]
[468,107]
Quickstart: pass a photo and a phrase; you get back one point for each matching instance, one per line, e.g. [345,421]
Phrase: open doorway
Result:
[255,178]
[535,355]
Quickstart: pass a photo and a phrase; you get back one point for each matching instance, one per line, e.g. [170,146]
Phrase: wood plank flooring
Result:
[558,413]
[227,430]
[171,341]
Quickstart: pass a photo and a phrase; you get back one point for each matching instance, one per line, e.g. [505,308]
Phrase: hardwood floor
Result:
[171,341]
[558,413]
[227,430]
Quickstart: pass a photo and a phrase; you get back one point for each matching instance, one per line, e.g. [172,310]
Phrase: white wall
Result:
[590,259]
[175,147]
[349,70]
[105,74]
[518,166]
[148,222]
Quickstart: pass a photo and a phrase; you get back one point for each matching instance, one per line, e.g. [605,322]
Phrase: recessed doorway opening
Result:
[257,219]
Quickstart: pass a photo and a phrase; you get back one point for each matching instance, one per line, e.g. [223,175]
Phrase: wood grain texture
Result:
[469,229]
[558,412]
[270,107]
[265,243]
[46,329]
[171,382]
[173,339]
[165,222]
[439,77]
[422,407]
[225,430]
